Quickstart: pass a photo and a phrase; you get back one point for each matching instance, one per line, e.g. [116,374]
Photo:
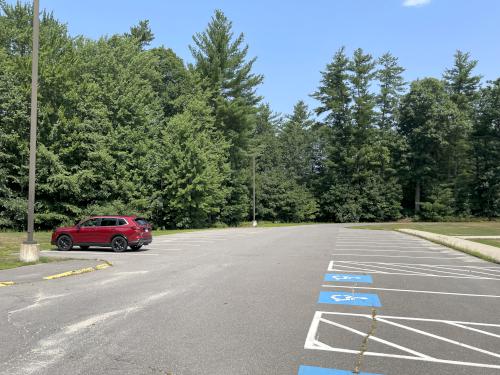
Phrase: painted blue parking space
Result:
[346,298]
[348,278]
[311,370]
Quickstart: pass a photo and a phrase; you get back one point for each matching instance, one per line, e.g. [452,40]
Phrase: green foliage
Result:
[194,173]
[460,81]
[280,198]
[222,62]
[436,132]
[356,176]
[128,129]
[485,183]
[439,205]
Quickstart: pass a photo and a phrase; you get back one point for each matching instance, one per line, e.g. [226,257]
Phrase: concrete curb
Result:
[479,237]
[491,253]
[79,271]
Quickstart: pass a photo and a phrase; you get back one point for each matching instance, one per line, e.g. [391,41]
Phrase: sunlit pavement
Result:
[309,300]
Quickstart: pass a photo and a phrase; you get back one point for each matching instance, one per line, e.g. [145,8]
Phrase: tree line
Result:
[125,128]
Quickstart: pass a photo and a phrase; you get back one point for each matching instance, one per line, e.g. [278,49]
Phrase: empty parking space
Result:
[394,304]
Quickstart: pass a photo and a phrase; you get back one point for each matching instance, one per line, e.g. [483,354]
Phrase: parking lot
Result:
[393,304]
[308,300]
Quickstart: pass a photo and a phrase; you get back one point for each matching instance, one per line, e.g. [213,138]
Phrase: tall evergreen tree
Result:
[222,60]
[460,81]
[352,184]
[392,86]
[486,153]
[362,68]
[463,85]
[435,130]
[297,144]
[333,94]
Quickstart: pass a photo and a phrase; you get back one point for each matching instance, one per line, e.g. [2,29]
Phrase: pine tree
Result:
[297,145]
[435,130]
[460,81]
[485,184]
[392,86]
[333,93]
[353,183]
[463,86]
[193,170]
[222,60]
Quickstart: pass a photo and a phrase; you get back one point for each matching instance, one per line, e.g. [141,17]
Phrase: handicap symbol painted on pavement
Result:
[346,298]
[348,278]
[312,370]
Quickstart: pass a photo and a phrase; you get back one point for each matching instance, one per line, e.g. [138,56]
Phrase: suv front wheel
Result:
[64,243]
[119,244]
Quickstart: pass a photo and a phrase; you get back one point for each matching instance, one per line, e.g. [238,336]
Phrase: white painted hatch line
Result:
[395,256]
[363,334]
[312,339]
[416,267]
[437,337]
[470,272]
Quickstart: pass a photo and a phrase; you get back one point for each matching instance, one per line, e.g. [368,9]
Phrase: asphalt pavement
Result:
[308,300]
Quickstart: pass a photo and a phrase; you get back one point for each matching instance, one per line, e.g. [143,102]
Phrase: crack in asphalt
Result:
[364,344]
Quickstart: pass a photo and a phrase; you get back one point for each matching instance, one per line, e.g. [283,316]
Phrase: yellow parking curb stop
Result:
[78,272]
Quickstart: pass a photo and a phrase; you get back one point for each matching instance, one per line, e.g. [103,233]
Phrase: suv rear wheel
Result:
[119,244]
[64,243]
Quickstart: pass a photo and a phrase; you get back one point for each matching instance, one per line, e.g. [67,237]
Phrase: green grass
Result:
[10,243]
[479,228]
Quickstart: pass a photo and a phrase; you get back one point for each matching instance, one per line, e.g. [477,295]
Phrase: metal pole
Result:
[254,222]
[33,250]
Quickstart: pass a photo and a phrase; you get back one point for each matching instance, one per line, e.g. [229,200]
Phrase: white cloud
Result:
[415,3]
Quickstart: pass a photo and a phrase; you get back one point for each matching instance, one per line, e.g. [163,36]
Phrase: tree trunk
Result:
[417,197]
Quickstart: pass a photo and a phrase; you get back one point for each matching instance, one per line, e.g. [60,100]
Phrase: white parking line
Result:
[387,267]
[433,267]
[369,267]
[440,271]
[394,256]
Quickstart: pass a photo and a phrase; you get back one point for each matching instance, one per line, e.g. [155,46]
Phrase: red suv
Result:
[117,232]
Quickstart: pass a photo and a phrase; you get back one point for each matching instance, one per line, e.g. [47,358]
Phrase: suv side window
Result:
[141,221]
[122,222]
[91,223]
[108,222]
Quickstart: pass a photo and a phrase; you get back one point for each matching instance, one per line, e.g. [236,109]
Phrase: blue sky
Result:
[294,40]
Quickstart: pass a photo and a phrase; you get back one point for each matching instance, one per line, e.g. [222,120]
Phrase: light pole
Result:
[30,250]
[254,222]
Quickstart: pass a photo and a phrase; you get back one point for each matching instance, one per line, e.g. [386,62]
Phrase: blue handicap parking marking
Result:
[311,370]
[348,278]
[346,298]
